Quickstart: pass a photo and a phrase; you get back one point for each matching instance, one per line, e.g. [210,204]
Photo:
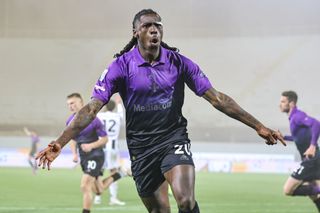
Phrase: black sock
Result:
[304,190]
[317,203]
[116,176]
[194,210]
[85,211]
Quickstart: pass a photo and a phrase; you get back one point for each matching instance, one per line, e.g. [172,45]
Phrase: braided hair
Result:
[133,42]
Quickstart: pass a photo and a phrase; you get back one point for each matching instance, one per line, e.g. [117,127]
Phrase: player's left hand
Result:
[86,147]
[271,136]
[310,152]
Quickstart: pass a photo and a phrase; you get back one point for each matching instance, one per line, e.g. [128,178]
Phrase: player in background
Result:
[90,143]
[112,119]
[150,77]
[305,133]
[33,149]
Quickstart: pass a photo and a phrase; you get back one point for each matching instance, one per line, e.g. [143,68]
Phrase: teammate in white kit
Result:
[112,119]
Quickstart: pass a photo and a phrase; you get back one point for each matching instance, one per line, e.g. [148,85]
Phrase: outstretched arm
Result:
[83,118]
[26,131]
[228,106]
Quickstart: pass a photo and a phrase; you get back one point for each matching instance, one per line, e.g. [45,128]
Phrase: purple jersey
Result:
[89,135]
[153,94]
[34,138]
[304,130]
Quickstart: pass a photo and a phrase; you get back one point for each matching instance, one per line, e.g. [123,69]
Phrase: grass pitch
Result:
[58,191]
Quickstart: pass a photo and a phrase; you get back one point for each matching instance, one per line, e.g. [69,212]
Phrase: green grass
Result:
[58,191]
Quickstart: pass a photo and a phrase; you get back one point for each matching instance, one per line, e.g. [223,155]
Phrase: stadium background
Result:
[251,50]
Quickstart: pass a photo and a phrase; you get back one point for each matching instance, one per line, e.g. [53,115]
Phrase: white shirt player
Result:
[112,123]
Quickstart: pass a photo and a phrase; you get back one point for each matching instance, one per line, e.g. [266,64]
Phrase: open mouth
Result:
[154,40]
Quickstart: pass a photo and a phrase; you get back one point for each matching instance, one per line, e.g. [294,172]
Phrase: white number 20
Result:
[181,149]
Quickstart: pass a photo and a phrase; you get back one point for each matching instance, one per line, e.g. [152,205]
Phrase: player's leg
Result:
[32,162]
[299,182]
[181,179]
[97,189]
[291,185]
[150,182]
[87,182]
[113,190]
[316,198]
[178,169]
[113,165]
[158,201]
[92,168]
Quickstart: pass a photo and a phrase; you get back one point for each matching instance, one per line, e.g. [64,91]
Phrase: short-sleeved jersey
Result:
[153,95]
[112,124]
[304,130]
[89,135]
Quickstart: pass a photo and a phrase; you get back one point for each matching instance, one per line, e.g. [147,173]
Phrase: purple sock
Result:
[304,190]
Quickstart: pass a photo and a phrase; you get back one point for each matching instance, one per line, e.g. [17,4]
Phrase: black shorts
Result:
[309,170]
[148,171]
[92,166]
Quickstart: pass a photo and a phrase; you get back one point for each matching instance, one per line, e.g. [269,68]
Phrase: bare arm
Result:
[228,106]
[83,118]
[87,147]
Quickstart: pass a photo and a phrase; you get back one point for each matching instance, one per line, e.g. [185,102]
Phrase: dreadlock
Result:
[133,42]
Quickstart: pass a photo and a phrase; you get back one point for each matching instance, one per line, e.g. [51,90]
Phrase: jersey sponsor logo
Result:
[151,107]
[103,75]
[99,87]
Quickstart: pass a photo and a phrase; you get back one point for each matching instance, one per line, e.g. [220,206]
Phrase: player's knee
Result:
[287,191]
[85,187]
[185,203]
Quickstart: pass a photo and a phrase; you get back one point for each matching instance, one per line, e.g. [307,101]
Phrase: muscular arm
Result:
[228,106]
[83,118]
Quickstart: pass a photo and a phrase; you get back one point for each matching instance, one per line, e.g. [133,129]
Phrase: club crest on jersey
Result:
[202,75]
[99,87]
[103,75]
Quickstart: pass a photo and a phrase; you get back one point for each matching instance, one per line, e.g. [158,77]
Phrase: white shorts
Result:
[112,159]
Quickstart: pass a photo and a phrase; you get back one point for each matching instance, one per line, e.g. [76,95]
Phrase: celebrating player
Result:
[150,77]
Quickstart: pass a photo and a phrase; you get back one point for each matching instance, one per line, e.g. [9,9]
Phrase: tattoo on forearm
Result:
[231,108]
[83,118]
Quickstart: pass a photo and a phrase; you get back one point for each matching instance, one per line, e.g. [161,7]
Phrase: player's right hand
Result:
[47,155]
[75,158]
